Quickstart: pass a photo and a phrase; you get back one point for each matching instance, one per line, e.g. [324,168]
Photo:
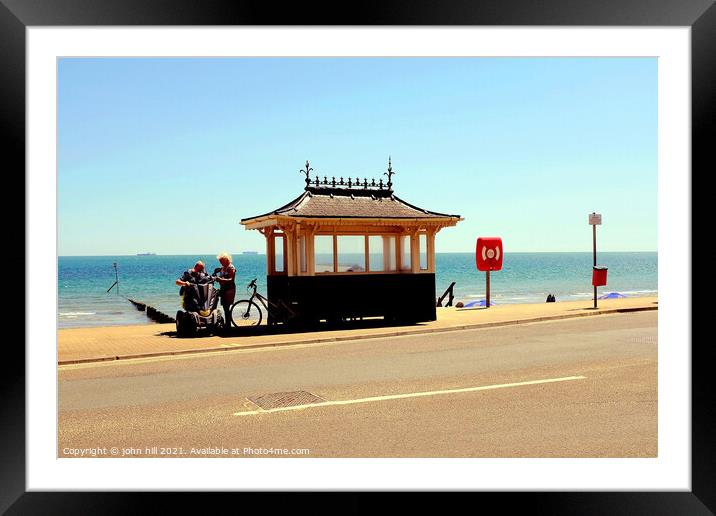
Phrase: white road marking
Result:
[409,395]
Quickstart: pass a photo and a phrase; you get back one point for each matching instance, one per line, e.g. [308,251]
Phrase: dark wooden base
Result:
[396,297]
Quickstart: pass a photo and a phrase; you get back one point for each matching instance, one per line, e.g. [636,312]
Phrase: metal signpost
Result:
[595,219]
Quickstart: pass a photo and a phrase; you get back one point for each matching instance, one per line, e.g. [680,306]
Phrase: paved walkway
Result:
[78,345]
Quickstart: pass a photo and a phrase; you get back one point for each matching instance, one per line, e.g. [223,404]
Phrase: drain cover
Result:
[285,399]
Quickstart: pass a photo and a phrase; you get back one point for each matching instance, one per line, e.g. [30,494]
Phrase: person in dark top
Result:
[196,275]
[227,286]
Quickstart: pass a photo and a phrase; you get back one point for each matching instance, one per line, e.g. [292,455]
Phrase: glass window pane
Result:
[323,253]
[423,248]
[389,253]
[376,256]
[278,260]
[302,252]
[351,253]
[405,264]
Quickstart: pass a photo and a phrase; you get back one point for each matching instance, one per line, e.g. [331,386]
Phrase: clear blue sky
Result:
[167,155]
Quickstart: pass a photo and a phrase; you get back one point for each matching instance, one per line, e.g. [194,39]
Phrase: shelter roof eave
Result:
[283,220]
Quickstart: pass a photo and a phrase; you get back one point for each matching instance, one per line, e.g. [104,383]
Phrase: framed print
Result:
[102,103]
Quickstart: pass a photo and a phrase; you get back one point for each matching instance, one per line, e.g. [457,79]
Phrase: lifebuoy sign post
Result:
[488,255]
[599,274]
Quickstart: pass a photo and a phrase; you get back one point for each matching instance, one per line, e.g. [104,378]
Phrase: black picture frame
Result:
[17,15]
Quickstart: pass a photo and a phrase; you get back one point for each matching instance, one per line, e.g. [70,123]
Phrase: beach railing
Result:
[448,291]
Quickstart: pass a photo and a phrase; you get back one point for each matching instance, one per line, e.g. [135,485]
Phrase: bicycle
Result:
[247,313]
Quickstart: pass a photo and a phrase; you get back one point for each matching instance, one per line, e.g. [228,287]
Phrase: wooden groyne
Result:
[154,314]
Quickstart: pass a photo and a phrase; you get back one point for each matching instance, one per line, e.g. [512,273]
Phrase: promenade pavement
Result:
[79,345]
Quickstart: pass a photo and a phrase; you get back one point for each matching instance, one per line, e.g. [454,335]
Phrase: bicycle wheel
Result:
[245,313]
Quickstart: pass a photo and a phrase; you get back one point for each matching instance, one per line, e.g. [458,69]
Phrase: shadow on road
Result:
[281,329]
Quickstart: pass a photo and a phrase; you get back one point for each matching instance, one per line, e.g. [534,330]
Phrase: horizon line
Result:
[264,254]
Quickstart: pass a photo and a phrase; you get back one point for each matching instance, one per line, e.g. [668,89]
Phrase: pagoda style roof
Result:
[351,199]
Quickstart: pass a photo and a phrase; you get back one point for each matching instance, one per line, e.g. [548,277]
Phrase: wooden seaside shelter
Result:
[350,248]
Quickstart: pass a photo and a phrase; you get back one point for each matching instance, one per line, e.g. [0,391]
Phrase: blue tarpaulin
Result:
[481,302]
[611,295]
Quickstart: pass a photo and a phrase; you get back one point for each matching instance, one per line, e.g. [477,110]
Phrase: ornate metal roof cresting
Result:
[307,171]
[390,174]
[349,183]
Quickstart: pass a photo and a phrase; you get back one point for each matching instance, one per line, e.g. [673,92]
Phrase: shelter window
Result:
[423,250]
[278,253]
[381,253]
[376,253]
[405,263]
[351,253]
[389,252]
[323,253]
[302,253]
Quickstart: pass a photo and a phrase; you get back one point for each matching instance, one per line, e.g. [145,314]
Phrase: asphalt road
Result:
[470,393]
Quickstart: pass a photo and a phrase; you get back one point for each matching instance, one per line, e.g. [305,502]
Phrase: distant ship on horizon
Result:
[249,252]
[146,254]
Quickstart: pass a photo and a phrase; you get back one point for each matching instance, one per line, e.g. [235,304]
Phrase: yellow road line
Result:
[409,395]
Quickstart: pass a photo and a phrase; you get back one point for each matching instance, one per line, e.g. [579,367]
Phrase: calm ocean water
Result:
[524,278]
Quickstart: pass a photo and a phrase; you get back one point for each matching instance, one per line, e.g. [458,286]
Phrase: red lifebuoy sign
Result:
[489,253]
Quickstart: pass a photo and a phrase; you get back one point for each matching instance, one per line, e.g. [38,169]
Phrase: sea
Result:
[83,300]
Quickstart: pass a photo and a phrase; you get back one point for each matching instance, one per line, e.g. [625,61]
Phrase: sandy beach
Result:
[77,345]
